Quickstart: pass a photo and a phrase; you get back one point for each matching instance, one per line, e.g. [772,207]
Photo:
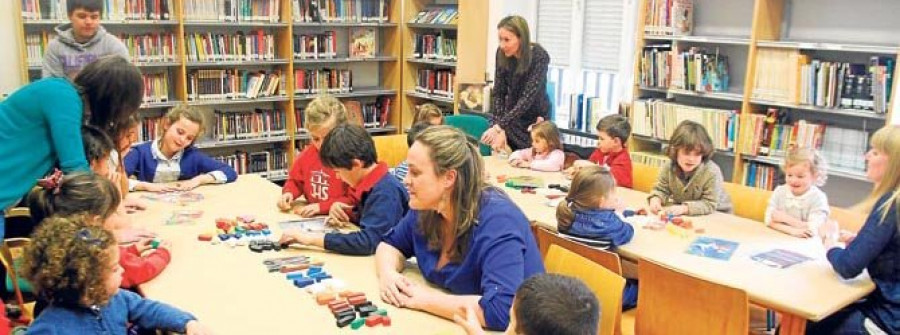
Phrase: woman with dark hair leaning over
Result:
[40,124]
[519,97]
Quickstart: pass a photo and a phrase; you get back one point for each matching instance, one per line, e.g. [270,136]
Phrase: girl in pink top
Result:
[545,153]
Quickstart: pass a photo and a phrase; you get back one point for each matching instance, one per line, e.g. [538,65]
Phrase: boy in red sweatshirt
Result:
[612,132]
[324,192]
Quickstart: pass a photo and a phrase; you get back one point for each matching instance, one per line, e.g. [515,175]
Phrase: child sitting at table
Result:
[799,207]
[73,263]
[692,183]
[588,214]
[430,114]
[318,184]
[381,199]
[612,135]
[546,304]
[172,163]
[545,153]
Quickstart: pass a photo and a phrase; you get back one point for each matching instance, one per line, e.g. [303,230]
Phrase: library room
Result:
[442,167]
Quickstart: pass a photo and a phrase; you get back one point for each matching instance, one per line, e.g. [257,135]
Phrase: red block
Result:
[340,308]
[348,294]
[324,298]
[204,237]
[373,320]
[338,302]
[386,321]
[293,268]
[357,300]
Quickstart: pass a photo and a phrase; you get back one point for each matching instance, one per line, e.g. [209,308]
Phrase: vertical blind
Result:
[554,29]
[602,37]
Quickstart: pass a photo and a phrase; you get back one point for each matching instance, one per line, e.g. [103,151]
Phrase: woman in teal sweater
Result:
[40,124]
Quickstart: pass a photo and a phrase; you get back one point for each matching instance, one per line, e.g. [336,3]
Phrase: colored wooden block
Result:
[386,321]
[303,282]
[382,312]
[338,302]
[348,294]
[205,237]
[345,320]
[358,323]
[343,309]
[317,263]
[325,298]
[357,300]
[373,320]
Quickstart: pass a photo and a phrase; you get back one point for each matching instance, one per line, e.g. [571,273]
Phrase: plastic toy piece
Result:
[528,190]
[342,309]
[204,237]
[325,297]
[266,232]
[357,300]
[367,310]
[344,312]
[303,282]
[386,321]
[337,303]
[677,230]
[246,218]
[313,270]
[345,320]
[317,263]
[358,323]
[642,211]
[373,320]
[362,305]
[224,237]
[350,294]
[295,275]
[155,243]
[319,279]
[293,268]
[382,312]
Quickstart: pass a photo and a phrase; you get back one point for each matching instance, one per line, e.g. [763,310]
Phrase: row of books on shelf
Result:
[326,80]
[221,84]
[142,48]
[272,162]
[658,119]
[791,77]
[113,10]
[315,46]
[761,175]
[584,112]
[232,10]
[150,128]
[248,124]
[440,15]
[669,17]
[771,134]
[156,87]
[694,69]
[373,114]
[651,159]
[340,10]
[215,47]
[436,81]
[434,46]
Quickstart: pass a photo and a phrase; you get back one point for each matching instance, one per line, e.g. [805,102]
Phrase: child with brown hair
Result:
[171,163]
[613,132]
[319,185]
[589,209]
[692,183]
[799,208]
[429,113]
[73,263]
[545,153]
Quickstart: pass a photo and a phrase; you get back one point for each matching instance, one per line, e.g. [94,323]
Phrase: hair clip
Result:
[85,235]
[52,182]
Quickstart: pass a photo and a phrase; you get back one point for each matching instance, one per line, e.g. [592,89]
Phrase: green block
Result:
[155,243]
[358,323]
[382,312]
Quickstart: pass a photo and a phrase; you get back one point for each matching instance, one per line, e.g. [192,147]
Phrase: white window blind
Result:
[603,21]
[554,29]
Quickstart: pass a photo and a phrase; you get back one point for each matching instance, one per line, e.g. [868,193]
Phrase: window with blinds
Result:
[603,20]
[554,29]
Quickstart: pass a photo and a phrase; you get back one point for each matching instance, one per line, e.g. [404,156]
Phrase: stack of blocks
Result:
[232,232]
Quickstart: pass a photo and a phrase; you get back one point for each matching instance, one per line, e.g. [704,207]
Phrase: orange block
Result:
[325,298]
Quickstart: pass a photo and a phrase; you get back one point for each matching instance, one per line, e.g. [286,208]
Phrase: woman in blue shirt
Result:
[467,237]
[876,248]
[40,124]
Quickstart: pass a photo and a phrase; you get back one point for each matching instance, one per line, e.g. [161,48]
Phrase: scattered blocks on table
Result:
[325,297]
[348,294]
[358,323]
[373,320]
[344,321]
[367,310]
[224,237]
[357,300]
[303,282]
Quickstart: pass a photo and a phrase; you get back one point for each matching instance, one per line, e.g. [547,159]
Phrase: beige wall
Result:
[10,71]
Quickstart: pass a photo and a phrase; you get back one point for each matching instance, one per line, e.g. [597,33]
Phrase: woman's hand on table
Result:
[469,322]
[390,285]
[194,327]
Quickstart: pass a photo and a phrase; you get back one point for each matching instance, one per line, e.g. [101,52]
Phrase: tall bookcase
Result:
[464,61]
[374,78]
[766,43]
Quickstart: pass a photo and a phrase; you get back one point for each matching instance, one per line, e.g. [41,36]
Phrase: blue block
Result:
[318,275]
[224,237]
[313,270]
[295,275]
[266,232]
[303,282]
[319,279]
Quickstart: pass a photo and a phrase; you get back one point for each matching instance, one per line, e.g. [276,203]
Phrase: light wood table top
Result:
[231,290]
[811,290]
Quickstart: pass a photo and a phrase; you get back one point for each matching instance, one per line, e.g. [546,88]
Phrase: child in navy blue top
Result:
[588,214]
[876,248]
[74,264]
[171,163]
[468,238]
[381,201]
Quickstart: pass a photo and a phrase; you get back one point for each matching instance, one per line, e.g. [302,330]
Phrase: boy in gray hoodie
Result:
[80,42]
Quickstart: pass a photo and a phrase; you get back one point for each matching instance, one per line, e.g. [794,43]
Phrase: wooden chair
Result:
[671,302]
[749,202]
[644,176]
[605,284]
[545,238]
[391,149]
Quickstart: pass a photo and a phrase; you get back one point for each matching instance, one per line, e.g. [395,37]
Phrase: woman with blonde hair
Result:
[467,237]
[876,248]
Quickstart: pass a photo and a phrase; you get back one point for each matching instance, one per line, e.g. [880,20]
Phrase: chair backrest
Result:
[391,149]
[545,238]
[472,125]
[749,202]
[605,284]
[11,252]
[644,176]
[848,219]
[671,302]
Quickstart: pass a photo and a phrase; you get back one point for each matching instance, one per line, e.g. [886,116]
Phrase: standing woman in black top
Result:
[520,86]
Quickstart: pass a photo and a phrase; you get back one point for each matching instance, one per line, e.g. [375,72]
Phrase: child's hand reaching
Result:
[284,203]
[308,210]
[187,185]
[337,215]
[470,322]
[655,204]
[157,188]
[194,327]
[143,245]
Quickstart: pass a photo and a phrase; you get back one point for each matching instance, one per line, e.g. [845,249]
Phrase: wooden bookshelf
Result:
[380,76]
[803,25]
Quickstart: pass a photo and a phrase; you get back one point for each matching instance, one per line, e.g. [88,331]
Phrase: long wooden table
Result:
[807,291]
[231,290]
